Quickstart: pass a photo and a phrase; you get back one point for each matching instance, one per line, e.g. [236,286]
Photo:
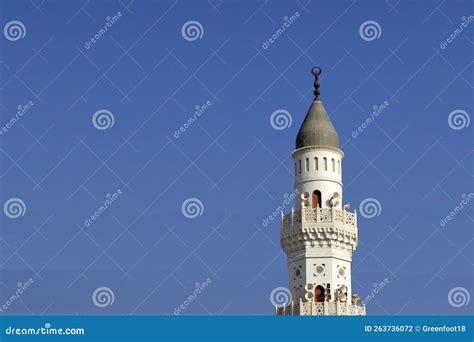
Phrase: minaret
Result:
[321,234]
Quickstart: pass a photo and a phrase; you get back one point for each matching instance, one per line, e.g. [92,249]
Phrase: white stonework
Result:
[321,234]
[323,178]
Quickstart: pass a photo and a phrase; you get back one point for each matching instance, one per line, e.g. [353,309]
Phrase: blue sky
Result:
[150,77]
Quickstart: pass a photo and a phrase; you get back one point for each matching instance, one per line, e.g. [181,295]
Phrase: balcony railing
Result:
[320,309]
[316,215]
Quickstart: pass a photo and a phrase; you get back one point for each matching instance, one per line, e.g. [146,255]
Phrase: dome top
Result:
[317,129]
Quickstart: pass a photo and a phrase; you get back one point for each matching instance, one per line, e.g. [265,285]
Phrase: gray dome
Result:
[317,129]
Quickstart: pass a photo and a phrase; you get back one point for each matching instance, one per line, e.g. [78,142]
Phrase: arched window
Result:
[333,162]
[316,199]
[319,294]
[307,164]
[299,165]
[325,164]
[339,166]
[316,163]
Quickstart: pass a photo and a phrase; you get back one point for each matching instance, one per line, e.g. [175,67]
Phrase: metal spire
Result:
[316,71]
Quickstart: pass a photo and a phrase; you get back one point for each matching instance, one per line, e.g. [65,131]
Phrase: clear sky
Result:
[239,66]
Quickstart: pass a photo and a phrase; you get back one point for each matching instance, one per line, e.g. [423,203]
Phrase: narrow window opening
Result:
[307,164]
[325,164]
[316,200]
[319,294]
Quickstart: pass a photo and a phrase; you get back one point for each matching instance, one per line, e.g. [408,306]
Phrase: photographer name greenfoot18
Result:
[444,328]
[400,328]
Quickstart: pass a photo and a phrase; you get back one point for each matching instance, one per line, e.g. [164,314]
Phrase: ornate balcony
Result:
[320,309]
[319,227]
[317,215]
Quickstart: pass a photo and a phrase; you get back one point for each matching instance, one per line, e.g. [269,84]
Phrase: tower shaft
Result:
[320,236]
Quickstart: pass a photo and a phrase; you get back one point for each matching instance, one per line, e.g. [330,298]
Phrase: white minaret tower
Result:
[320,235]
